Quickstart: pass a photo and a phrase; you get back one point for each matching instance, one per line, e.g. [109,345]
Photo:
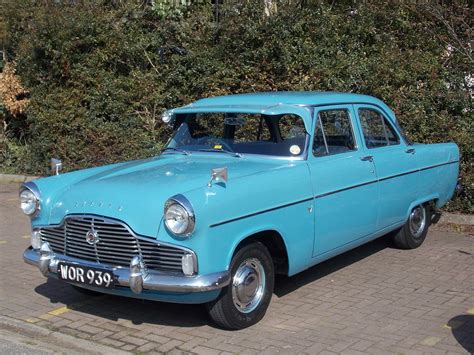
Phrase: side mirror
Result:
[56,166]
[218,175]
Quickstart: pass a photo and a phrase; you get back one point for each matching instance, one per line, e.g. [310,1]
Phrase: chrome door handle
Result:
[410,151]
[367,158]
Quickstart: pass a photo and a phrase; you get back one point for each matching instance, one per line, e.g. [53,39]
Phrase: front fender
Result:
[279,200]
[293,223]
[215,246]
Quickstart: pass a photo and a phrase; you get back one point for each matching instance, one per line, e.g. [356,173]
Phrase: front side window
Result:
[244,133]
[378,132]
[333,133]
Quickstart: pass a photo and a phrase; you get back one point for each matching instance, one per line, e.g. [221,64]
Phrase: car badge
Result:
[92,237]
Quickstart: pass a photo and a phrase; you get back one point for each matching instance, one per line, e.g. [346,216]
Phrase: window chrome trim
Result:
[324,134]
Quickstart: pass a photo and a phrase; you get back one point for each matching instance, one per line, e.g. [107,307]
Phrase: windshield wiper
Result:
[178,150]
[234,154]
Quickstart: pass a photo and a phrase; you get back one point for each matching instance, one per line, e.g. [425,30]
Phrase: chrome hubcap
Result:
[248,285]
[417,221]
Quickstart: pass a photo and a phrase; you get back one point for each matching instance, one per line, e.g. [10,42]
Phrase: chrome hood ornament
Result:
[218,175]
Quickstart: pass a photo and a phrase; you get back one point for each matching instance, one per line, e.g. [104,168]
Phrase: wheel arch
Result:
[433,199]
[273,240]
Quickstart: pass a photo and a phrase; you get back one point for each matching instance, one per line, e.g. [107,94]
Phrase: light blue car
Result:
[247,187]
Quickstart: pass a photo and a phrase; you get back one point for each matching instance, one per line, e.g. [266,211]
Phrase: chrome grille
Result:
[117,244]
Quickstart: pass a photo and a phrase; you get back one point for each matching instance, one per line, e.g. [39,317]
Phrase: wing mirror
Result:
[56,166]
[218,175]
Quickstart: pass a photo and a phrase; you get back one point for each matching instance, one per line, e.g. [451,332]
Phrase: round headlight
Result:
[179,216]
[29,202]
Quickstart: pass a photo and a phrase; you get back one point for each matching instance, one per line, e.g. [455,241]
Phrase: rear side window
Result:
[378,132]
[334,133]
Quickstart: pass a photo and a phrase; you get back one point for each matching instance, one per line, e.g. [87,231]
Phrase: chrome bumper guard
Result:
[136,277]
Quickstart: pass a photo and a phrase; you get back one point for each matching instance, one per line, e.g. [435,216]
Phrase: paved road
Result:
[13,343]
[375,299]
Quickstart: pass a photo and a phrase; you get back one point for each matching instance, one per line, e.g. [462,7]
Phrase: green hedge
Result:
[99,75]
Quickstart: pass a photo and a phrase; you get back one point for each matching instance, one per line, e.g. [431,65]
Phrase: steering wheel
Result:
[213,141]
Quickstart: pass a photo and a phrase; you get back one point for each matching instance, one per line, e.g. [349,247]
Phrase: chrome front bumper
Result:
[137,278]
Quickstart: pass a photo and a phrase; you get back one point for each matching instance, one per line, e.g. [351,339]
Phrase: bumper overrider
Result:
[136,277]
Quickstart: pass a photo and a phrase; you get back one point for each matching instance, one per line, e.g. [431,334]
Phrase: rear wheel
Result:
[413,233]
[245,301]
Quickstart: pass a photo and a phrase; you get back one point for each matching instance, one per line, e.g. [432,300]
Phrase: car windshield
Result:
[239,133]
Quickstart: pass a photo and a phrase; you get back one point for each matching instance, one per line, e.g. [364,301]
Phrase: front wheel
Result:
[245,301]
[413,233]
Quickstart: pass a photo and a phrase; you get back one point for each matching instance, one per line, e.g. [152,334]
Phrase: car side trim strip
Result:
[260,212]
[435,166]
[417,170]
[330,193]
[345,189]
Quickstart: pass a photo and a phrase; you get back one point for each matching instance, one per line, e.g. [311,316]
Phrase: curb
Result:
[53,339]
[16,178]
[454,218]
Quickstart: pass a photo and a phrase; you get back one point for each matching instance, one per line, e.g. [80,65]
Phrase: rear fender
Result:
[421,201]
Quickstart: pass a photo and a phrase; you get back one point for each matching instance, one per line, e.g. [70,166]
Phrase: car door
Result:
[344,182]
[395,162]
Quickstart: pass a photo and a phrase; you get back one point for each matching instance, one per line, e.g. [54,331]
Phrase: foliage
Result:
[12,93]
[100,73]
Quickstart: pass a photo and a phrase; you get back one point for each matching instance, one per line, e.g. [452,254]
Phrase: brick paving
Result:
[375,299]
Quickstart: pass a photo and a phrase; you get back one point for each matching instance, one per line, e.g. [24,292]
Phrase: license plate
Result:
[86,275]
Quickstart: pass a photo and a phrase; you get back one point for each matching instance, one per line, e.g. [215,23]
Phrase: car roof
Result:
[286,97]
[305,98]
[280,102]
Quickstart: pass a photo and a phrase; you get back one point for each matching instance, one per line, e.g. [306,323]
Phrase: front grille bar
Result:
[117,244]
